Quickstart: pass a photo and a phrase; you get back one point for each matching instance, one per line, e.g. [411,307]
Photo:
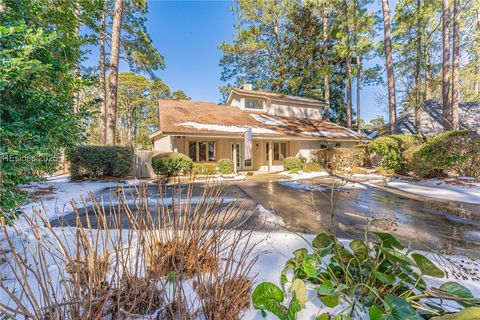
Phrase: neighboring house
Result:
[282,126]
[431,118]
[371,133]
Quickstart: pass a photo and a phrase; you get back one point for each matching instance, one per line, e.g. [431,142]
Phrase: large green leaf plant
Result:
[378,279]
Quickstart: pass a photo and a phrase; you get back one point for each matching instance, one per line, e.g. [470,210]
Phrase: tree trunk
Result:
[76,70]
[456,65]
[359,83]
[477,68]
[428,75]
[349,91]
[102,82]
[128,113]
[280,81]
[326,78]
[446,68]
[348,61]
[392,114]
[114,58]
[418,65]
[327,97]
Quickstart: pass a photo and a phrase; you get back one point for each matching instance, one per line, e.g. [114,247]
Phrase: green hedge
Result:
[225,166]
[171,163]
[294,164]
[205,168]
[100,161]
[337,158]
[456,152]
[389,152]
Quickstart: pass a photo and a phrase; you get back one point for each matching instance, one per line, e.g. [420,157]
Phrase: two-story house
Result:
[282,126]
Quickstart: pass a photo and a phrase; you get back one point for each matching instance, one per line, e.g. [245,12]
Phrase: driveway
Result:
[305,206]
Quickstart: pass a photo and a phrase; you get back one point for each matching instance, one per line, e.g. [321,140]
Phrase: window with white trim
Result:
[253,104]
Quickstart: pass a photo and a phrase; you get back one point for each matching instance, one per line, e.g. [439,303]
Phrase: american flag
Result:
[248,143]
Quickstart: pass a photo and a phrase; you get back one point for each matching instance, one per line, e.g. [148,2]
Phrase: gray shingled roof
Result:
[431,118]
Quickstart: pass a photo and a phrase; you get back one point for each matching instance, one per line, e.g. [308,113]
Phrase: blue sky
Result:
[188,33]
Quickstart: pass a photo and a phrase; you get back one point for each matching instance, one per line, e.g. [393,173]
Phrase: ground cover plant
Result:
[171,163]
[122,272]
[375,278]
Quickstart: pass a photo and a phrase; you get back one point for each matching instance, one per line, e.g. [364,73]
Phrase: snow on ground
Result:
[216,178]
[298,185]
[58,202]
[370,177]
[438,189]
[305,175]
[55,197]
[268,218]
[302,186]
[229,177]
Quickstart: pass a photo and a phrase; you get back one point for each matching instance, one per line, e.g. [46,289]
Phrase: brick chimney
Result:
[246,86]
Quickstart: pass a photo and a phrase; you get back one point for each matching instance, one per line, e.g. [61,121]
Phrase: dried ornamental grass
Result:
[117,272]
[183,256]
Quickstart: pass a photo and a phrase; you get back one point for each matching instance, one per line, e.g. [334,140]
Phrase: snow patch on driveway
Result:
[305,175]
[297,185]
[269,218]
[302,186]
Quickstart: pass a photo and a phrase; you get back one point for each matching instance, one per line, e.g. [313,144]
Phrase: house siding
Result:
[164,144]
[305,148]
[295,111]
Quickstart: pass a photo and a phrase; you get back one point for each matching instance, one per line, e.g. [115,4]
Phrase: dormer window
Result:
[253,104]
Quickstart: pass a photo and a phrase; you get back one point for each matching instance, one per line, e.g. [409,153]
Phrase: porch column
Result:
[234,155]
[270,156]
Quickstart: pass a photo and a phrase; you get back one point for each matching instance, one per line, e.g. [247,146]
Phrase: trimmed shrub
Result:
[100,161]
[312,167]
[455,152]
[205,168]
[171,163]
[294,164]
[225,166]
[388,151]
[337,158]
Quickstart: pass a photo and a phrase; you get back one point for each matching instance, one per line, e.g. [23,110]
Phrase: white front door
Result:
[242,164]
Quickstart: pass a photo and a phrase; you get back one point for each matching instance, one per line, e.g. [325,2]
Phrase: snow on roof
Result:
[223,128]
[267,120]
[326,134]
